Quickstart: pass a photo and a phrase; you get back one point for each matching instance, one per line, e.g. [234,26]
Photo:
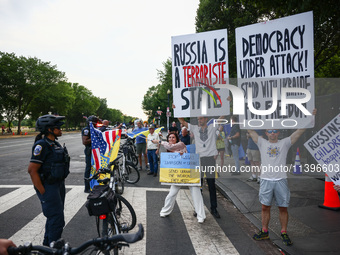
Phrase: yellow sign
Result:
[180,169]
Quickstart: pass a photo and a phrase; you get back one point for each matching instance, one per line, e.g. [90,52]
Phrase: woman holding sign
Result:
[174,144]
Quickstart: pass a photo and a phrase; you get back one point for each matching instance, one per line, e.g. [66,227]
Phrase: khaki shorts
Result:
[254,155]
[140,148]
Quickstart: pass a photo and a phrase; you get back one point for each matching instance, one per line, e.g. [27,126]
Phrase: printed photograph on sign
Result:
[275,71]
[199,71]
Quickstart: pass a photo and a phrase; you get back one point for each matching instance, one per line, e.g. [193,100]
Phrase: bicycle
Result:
[114,214]
[131,153]
[102,245]
[127,170]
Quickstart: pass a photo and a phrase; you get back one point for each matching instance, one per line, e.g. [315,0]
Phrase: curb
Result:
[228,194]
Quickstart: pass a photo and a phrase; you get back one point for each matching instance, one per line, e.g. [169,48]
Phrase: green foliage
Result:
[230,14]
[22,80]
[156,98]
[31,87]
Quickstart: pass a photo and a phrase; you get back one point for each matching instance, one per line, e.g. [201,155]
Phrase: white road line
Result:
[14,145]
[15,197]
[35,229]
[75,199]
[137,198]
[206,238]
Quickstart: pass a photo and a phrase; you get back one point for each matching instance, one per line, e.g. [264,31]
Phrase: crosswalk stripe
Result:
[137,198]
[34,230]
[15,197]
[206,238]
[75,199]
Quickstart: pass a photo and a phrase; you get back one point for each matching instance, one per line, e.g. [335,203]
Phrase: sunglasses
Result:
[272,131]
[57,127]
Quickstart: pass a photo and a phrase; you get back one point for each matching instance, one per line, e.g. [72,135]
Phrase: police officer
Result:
[86,138]
[48,168]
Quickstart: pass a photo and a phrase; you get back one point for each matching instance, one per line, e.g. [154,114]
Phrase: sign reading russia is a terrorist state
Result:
[275,70]
[199,62]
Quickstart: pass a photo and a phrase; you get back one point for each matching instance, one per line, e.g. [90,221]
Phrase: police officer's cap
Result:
[49,121]
[92,118]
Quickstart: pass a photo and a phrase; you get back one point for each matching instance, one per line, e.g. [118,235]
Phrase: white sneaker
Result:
[200,221]
[258,180]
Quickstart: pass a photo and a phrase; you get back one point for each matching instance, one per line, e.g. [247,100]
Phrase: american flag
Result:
[101,143]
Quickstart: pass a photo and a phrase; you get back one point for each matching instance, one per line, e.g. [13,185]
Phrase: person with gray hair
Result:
[185,137]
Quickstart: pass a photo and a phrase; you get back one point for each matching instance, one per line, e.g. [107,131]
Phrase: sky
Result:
[114,48]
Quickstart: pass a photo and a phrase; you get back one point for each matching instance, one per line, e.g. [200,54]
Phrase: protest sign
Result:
[275,70]
[179,169]
[324,146]
[199,62]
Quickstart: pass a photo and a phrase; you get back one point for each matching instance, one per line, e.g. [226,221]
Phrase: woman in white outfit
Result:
[174,144]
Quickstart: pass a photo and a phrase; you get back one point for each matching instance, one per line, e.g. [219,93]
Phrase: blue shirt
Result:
[185,139]
[141,138]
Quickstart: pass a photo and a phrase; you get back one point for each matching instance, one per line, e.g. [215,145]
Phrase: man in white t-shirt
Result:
[152,151]
[274,182]
[205,141]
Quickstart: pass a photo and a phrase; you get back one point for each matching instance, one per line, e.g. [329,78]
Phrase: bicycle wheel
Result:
[125,214]
[119,183]
[132,158]
[132,175]
[107,227]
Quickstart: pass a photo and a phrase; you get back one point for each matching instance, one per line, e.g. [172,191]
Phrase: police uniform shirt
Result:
[40,150]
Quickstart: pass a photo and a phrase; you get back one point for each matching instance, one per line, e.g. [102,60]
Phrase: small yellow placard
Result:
[180,169]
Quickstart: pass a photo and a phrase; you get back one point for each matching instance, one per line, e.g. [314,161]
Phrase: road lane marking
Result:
[206,238]
[34,230]
[137,198]
[15,197]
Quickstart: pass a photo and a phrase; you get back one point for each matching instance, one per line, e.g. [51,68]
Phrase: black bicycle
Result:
[101,245]
[114,214]
[131,152]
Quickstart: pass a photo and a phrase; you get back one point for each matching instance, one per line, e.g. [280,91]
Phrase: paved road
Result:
[21,218]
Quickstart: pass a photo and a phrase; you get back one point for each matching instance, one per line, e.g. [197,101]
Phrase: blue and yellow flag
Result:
[143,132]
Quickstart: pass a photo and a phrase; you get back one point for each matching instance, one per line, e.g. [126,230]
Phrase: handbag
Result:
[100,200]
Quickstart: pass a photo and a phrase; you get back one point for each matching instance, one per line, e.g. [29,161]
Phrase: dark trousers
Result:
[153,161]
[210,161]
[87,173]
[52,203]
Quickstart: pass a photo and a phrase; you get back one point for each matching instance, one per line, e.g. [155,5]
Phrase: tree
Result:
[58,102]
[156,96]
[85,104]
[21,81]
[230,14]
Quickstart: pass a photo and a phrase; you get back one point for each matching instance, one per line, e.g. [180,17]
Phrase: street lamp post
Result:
[168,110]
[159,117]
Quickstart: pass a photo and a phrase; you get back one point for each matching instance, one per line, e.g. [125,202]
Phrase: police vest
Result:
[56,167]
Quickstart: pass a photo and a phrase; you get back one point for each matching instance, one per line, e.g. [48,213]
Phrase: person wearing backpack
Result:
[48,168]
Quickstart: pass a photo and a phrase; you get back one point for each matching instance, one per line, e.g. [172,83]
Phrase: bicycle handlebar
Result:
[66,249]
[96,175]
